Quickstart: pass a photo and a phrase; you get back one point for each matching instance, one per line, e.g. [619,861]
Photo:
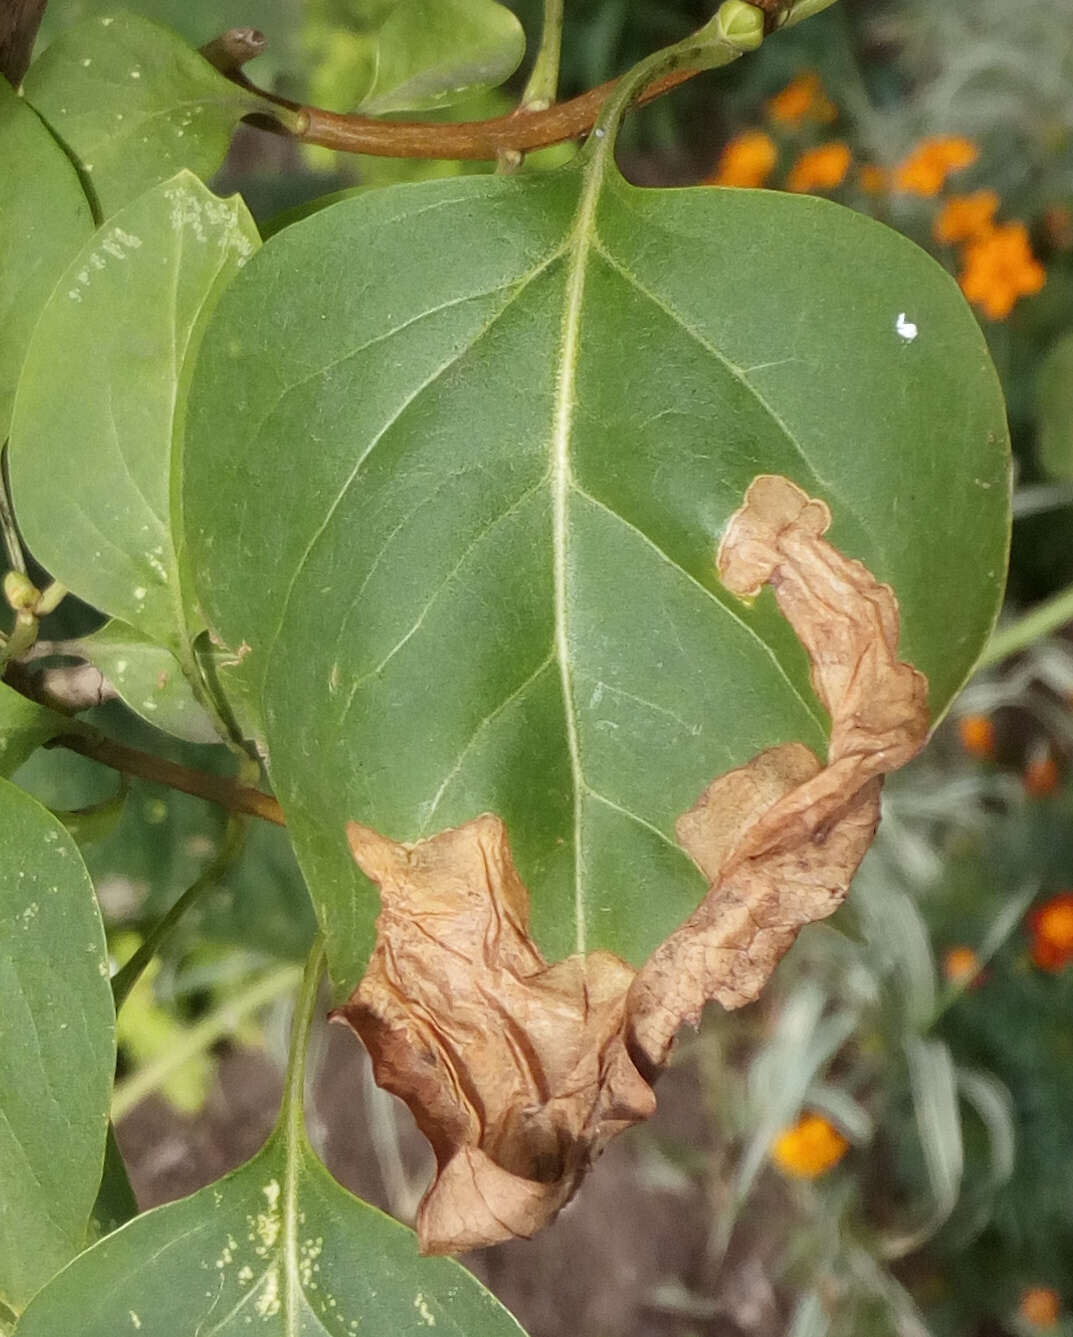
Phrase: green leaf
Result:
[506,447]
[91,468]
[24,726]
[133,104]
[58,1042]
[44,218]
[278,1243]
[150,680]
[432,53]
[1054,402]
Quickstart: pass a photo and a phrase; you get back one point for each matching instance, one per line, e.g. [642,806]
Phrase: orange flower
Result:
[821,168]
[977,733]
[1040,1306]
[961,965]
[748,160]
[964,217]
[804,97]
[925,171]
[810,1148]
[874,180]
[1051,927]
[1041,776]
[999,269]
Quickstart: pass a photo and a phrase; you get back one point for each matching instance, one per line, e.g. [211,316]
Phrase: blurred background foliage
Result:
[885,1143]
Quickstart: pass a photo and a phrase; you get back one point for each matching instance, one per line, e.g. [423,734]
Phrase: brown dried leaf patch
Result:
[518,1071]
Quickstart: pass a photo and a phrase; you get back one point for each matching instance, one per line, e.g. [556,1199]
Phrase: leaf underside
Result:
[505,472]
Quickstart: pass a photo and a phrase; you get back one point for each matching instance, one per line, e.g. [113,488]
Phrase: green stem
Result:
[8,528]
[222,1021]
[542,87]
[1025,631]
[128,974]
[305,1007]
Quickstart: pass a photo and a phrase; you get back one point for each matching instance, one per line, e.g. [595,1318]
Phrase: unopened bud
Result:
[740,25]
[20,591]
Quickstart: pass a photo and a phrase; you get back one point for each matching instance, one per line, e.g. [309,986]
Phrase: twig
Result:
[128,974]
[146,766]
[519,132]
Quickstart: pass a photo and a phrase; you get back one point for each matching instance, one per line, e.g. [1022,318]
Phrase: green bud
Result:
[20,591]
[740,25]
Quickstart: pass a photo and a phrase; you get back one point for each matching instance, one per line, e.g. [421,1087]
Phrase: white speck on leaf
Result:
[133,1316]
[427,1316]
[906,328]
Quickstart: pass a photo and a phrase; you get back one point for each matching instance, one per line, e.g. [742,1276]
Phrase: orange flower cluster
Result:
[1000,268]
[925,171]
[961,965]
[977,734]
[1041,776]
[748,160]
[821,168]
[804,98]
[966,217]
[1051,929]
[1041,1307]
[809,1148]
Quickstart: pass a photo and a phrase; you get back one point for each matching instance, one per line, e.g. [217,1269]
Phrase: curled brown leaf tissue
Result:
[519,1071]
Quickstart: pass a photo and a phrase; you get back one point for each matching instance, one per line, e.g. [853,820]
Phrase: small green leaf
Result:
[58,1044]
[44,218]
[1054,397]
[532,407]
[91,468]
[278,1243]
[24,726]
[432,53]
[149,679]
[133,104]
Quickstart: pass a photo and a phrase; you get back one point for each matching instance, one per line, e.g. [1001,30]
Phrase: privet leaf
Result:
[278,1243]
[44,218]
[24,726]
[432,53]
[91,468]
[519,1072]
[133,104]
[150,680]
[58,1044]
[507,420]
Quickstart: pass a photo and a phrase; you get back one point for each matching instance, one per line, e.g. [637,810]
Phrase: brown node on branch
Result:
[519,1071]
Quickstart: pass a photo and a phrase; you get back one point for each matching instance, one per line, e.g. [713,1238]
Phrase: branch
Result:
[219,789]
[520,131]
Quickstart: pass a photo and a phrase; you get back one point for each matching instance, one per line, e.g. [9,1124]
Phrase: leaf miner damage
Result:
[519,1072]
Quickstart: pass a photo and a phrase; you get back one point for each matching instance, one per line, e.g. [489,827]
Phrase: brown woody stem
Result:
[521,131]
[219,789]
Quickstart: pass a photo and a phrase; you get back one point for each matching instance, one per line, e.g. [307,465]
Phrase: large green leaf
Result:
[432,53]
[57,1037]
[91,467]
[278,1245]
[133,104]
[44,218]
[507,420]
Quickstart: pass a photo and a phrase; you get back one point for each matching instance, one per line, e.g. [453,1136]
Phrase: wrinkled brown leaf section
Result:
[518,1071]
